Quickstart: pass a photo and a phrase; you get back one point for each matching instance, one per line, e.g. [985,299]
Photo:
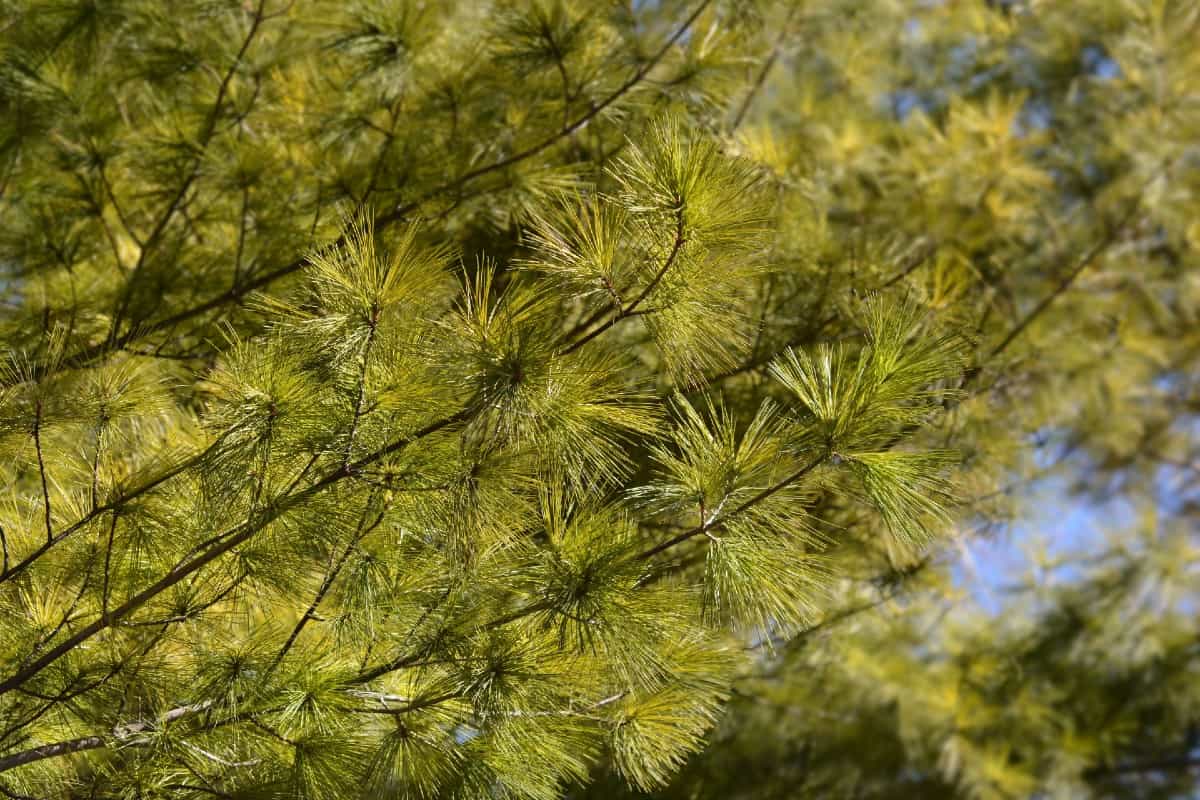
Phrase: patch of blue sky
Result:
[1051,544]
[1097,63]
[903,102]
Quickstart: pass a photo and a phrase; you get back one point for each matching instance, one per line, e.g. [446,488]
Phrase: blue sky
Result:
[1056,529]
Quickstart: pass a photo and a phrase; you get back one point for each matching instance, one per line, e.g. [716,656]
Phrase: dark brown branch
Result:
[120,733]
[37,446]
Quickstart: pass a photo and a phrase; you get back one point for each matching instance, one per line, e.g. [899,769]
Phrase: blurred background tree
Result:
[543,399]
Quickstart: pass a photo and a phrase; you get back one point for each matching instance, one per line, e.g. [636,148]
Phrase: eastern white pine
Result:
[595,399]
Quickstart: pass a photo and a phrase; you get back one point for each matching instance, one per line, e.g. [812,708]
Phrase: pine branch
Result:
[206,133]
[808,336]
[520,519]
[95,489]
[113,505]
[241,238]
[838,617]
[413,658]
[67,615]
[216,759]
[761,79]
[638,76]
[112,198]
[1086,260]
[123,734]
[327,583]
[362,383]
[225,542]
[632,309]
[114,343]
[414,705]
[718,519]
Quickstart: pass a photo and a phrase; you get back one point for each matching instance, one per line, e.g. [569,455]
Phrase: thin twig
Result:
[362,384]
[37,446]
[631,309]
[133,494]
[761,79]
[310,613]
[717,520]
[1065,283]
[1085,261]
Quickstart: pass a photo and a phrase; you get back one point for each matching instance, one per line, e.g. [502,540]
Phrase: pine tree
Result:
[546,399]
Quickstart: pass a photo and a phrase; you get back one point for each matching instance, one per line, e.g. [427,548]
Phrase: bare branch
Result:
[51,751]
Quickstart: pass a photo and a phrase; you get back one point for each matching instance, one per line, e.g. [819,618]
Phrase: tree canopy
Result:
[566,399]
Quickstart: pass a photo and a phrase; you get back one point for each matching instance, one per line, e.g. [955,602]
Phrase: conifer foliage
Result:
[482,400]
